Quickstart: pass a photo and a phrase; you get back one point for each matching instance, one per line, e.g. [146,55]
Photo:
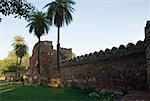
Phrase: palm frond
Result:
[36,23]
[49,4]
[59,12]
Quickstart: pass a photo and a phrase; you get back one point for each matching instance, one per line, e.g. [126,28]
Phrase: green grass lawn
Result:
[19,92]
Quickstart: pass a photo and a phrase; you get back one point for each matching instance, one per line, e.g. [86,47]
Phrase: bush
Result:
[104,95]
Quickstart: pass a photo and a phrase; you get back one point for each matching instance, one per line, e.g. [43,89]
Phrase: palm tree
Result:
[20,51]
[18,40]
[59,12]
[39,24]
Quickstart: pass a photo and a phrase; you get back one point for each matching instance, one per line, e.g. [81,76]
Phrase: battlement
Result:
[115,68]
[130,50]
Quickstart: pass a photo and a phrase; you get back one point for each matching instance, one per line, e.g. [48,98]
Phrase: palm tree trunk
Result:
[19,67]
[16,75]
[38,66]
[58,47]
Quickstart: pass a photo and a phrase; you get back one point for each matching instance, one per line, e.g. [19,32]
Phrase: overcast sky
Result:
[97,25]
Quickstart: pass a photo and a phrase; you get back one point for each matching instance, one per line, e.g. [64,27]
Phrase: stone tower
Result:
[147,47]
[46,52]
[48,68]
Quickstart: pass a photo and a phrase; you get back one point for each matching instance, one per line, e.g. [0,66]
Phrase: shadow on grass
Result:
[19,92]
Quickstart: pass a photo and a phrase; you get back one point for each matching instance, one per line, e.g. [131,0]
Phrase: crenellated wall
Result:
[123,67]
[109,54]
[112,69]
[117,68]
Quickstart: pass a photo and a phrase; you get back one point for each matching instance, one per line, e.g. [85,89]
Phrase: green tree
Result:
[11,55]
[20,49]
[16,7]
[25,59]
[9,65]
[39,24]
[18,40]
[59,12]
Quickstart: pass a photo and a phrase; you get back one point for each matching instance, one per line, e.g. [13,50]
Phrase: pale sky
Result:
[97,25]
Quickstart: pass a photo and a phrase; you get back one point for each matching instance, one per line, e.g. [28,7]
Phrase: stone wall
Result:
[46,50]
[47,62]
[124,67]
[117,68]
[12,76]
[147,45]
[111,69]
[65,53]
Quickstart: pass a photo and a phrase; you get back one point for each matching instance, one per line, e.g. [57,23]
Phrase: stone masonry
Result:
[47,62]
[147,46]
[111,69]
[117,68]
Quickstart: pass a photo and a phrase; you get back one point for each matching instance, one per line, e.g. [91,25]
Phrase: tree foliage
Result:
[25,59]
[21,50]
[18,40]
[60,13]
[9,65]
[20,47]
[18,8]
[39,24]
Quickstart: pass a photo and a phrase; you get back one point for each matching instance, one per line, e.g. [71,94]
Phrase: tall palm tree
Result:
[18,40]
[59,12]
[20,51]
[39,24]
